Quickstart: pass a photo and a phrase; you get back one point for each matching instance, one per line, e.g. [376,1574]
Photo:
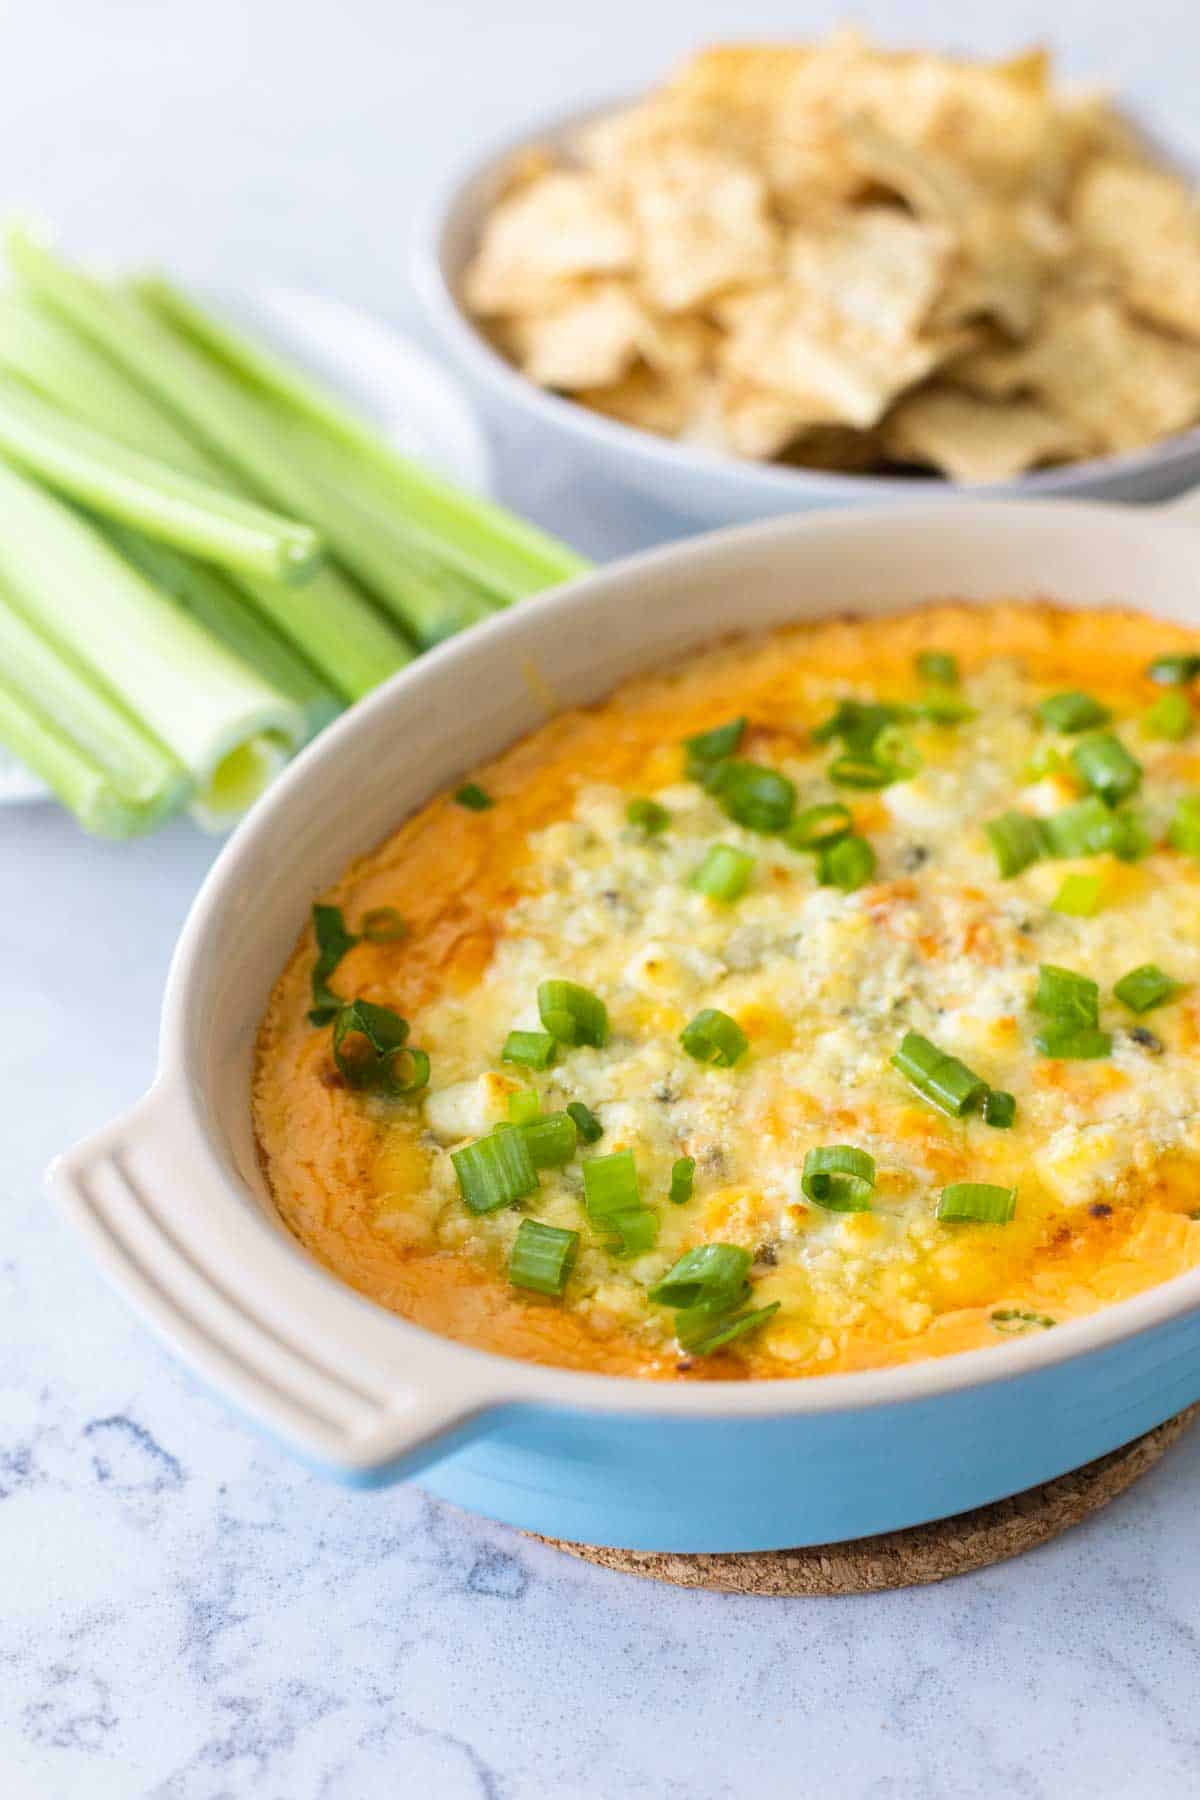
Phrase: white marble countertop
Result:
[183,1612]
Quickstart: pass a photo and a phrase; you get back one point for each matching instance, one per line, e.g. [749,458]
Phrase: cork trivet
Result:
[896,1559]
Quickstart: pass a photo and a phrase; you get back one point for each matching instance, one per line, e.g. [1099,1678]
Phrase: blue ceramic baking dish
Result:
[173,1203]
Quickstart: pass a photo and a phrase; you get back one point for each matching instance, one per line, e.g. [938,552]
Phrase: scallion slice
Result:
[752,795]
[473,797]
[1082,896]
[1174,671]
[939,667]
[542,1257]
[531,1049]
[1170,717]
[333,942]
[1063,995]
[371,1049]
[727,1332]
[839,1178]
[524,1106]
[858,723]
[383,925]
[818,826]
[1072,711]
[860,769]
[587,1125]
[1185,826]
[848,863]
[573,1014]
[630,1232]
[943,706]
[610,1184]
[979,1202]
[1016,840]
[1105,765]
[1067,1042]
[941,1079]
[724,874]
[713,1037]
[647,816]
[704,1274]
[683,1175]
[495,1170]
[1145,987]
[550,1140]
[1089,828]
[709,747]
[999,1109]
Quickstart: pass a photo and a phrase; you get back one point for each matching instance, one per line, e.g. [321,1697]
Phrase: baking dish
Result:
[705,486]
[172,1202]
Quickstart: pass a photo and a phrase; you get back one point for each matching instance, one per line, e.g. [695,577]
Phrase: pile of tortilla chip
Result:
[855,259]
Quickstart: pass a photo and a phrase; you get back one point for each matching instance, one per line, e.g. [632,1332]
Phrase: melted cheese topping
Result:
[553,881]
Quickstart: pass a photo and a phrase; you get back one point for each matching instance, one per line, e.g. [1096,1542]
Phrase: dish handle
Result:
[363,1395]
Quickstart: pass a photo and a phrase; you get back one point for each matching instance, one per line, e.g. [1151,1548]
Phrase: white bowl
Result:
[705,486]
[172,1199]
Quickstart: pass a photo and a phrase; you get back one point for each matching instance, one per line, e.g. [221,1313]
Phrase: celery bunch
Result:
[203,556]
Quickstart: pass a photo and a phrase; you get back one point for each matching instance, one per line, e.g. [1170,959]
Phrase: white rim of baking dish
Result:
[345,1381]
[776,481]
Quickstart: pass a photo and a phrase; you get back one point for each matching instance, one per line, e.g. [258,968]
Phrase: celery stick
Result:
[329,621]
[229,420]
[202,704]
[229,616]
[137,490]
[483,541]
[65,725]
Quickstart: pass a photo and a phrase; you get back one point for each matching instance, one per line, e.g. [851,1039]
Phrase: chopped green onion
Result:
[1170,717]
[753,795]
[847,863]
[1047,759]
[709,747]
[941,1079]
[1080,895]
[371,1049]
[473,797]
[610,1184]
[856,769]
[383,925]
[726,1333]
[724,874]
[980,1202]
[713,1037]
[631,1232]
[586,1123]
[939,667]
[495,1170]
[858,723]
[703,1274]
[683,1174]
[1063,995]
[1089,828]
[1185,826]
[819,826]
[333,942]
[572,1014]
[1105,765]
[1145,987]
[943,706]
[1174,671]
[839,1178]
[524,1106]
[550,1140]
[542,1257]
[647,816]
[1072,711]
[532,1049]
[1011,1318]
[1016,840]
[163,502]
[999,1109]
[1067,1042]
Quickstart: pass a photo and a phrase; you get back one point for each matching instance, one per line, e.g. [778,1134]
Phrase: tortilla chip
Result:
[702,226]
[552,229]
[1120,383]
[589,340]
[976,440]
[1147,224]
[874,265]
